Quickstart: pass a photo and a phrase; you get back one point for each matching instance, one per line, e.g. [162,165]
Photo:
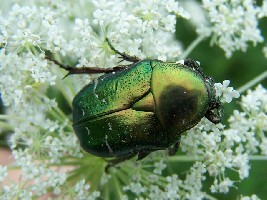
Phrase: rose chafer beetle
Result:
[142,107]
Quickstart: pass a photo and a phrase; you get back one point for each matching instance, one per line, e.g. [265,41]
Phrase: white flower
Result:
[241,162]
[136,188]
[227,93]
[172,188]
[159,166]
[80,188]
[255,101]
[252,197]
[156,193]
[222,187]
[232,137]
[14,191]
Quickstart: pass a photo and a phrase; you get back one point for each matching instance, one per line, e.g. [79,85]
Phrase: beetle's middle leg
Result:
[124,56]
[174,148]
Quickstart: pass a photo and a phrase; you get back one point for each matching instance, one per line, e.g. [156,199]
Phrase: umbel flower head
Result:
[38,103]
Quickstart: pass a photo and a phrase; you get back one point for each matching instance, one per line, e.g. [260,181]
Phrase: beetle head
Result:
[215,108]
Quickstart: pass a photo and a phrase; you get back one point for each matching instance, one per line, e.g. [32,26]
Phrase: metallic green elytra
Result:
[143,107]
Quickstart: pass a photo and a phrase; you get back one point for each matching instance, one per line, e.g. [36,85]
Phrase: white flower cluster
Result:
[252,197]
[233,24]
[170,187]
[14,191]
[42,176]
[226,93]
[250,126]
[80,191]
[138,28]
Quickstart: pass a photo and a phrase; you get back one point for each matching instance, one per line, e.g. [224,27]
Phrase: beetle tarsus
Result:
[173,149]
[124,56]
[215,112]
[143,153]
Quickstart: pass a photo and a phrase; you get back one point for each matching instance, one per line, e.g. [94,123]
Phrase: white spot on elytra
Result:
[104,101]
[88,131]
[95,85]
[109,148]
[109,126]
[83,113]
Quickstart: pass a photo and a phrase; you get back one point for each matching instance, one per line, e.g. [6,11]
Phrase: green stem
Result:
[117,187]
[192,46]
[258,157]
[6,126]
[8,117]
[210,197]
[252,82]
[184,158]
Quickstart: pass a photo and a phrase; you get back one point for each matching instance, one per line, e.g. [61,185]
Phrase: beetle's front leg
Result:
[86,70]
[124,56]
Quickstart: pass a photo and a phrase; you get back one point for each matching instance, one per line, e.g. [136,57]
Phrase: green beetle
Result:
[140,108]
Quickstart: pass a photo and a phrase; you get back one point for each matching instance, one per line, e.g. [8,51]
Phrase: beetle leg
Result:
[194,65]
[143,153]
[116,161]
[215,112]
[86,70]
[174,148]
[124,56]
